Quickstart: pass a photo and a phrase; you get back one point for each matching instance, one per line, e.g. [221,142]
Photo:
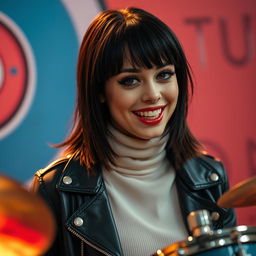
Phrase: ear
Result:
[102,98]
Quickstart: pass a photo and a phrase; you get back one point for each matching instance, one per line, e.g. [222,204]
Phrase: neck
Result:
[136,156]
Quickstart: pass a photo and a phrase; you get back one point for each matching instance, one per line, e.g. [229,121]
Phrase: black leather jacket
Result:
[83,215]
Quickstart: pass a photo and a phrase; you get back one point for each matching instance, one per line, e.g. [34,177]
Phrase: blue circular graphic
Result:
[54,43]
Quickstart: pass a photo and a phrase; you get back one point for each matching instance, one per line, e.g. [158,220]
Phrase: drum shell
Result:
[223,242]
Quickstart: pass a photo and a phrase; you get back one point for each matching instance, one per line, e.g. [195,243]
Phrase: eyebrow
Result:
[129,70]
[135,70]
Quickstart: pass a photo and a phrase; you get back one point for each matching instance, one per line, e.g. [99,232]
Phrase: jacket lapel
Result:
[197,191]
[96,225]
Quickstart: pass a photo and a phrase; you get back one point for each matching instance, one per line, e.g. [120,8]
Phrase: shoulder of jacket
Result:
[209,159]
[79,180]
[202,171]
[57,164]
[205,154]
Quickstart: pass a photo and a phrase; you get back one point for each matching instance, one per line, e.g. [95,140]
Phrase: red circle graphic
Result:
[14,75]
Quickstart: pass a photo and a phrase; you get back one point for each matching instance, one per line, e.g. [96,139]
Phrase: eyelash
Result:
[129,81]
[126,81]
[166,72]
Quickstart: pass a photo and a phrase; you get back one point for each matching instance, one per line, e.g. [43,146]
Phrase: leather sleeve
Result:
[46,189]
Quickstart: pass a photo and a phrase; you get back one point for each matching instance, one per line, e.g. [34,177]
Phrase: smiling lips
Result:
[150,116]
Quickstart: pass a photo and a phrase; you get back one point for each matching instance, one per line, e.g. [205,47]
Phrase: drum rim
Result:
[216,239]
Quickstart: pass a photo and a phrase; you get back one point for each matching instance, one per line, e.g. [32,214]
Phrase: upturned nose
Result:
[151,93]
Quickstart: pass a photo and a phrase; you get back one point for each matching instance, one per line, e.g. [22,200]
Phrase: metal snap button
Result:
[78,221]
[214,176]
[67,180]
[215,216]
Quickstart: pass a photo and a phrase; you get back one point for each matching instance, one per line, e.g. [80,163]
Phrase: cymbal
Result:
[26,223]
[241,195]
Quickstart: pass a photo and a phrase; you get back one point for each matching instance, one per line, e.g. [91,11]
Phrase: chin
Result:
[148,136]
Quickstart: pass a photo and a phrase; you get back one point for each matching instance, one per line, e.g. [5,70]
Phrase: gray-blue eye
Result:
[129,81]
[165,75]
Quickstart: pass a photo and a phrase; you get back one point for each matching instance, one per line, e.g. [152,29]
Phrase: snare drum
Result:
[237,241]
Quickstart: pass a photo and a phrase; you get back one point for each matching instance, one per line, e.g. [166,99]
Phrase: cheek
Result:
[176,93]
[117,107]
[173,93]
[119,101]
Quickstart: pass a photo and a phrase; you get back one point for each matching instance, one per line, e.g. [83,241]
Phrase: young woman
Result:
[132,170]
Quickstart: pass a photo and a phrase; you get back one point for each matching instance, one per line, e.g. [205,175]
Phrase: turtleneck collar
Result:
[136,156]
[142,194]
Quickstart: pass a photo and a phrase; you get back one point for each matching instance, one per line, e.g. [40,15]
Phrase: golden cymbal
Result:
[241,195]
[26,223]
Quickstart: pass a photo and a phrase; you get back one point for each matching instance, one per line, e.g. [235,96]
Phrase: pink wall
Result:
[219,40]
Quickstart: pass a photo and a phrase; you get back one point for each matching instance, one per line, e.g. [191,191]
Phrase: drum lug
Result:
[200,223]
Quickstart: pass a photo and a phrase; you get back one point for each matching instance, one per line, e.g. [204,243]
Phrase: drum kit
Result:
[27,225]
[235,241]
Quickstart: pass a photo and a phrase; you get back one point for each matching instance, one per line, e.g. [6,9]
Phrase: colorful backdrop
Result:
[39,42]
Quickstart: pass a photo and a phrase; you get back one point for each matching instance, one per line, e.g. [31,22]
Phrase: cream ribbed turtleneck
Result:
[142,195]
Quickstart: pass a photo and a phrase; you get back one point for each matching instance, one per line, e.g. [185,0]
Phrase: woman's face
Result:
[141,101]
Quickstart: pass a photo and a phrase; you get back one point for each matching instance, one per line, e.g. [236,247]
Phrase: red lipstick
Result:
[149,121]
[149,109]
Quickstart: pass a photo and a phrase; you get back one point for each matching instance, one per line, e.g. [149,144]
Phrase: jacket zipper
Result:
[90,244]
[82,248]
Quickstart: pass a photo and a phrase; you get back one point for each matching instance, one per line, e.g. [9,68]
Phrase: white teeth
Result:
[149,113]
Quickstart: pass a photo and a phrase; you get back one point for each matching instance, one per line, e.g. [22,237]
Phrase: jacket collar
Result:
[201,172]
[82,182]
[75,178]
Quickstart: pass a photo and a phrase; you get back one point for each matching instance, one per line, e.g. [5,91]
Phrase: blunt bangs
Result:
[146,43]
[148,46]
